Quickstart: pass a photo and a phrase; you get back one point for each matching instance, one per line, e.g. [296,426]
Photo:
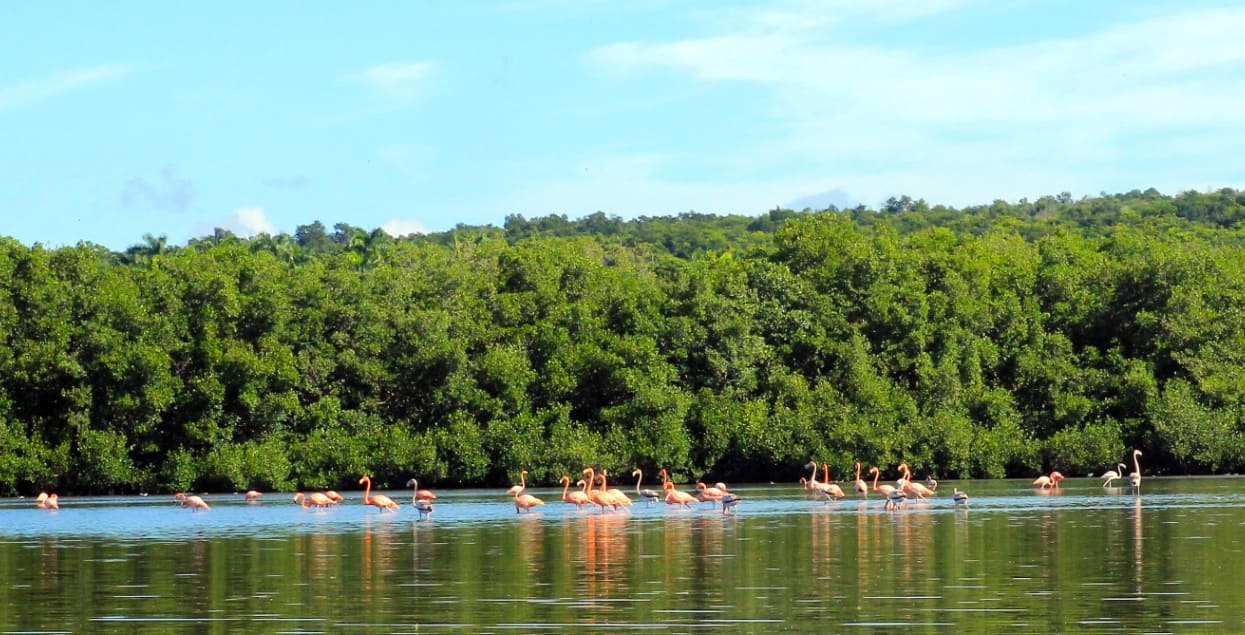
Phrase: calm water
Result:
[1082,560]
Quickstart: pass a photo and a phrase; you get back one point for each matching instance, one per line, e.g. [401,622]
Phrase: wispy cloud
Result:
[168,192]
[398,79]
[250,221]
[33,90]
[404,227]
[966,122]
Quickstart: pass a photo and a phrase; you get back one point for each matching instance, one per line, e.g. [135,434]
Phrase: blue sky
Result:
[121,119]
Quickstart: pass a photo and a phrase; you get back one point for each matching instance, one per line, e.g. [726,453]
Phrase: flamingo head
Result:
[412,483]
[636,472]
[580,483]
[803,480]
[1136,452]
[810,464]
[365,479]
[874,470]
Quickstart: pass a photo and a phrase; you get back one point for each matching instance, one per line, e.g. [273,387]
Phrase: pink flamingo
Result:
[52,502]
[618,496]
[195,503]
[675,496]
[862,488]
[832,491]
[1134,479]
[597,497]
[252,495]
[317,500]
[913,488]
[884,489]
[708,494]
[1051,481]
[380,501]
[525,502]
[576,498]
[41,501]
[516,489]
[421,494]
[334,496]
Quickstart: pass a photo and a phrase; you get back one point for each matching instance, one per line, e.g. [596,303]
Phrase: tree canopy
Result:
[999,340]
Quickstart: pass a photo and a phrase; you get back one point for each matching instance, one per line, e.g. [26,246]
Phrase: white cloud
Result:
[250,221]
[33,90]
[966,123]
[402,227]
[398,79]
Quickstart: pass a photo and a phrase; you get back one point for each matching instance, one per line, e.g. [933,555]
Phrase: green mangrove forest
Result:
[999,340]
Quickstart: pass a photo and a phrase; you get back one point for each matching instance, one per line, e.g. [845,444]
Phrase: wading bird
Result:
[862,487]
[380,501]
[1111,475]
[195,503]
[577,497]
[516,489]
[422,505]
[648,495]
[317,500]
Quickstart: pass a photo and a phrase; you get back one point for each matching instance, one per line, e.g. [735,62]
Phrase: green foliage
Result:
[1003,339]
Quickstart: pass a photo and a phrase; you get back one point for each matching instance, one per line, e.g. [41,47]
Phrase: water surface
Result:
[1082,559]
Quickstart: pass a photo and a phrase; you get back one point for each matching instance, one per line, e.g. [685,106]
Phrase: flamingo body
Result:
[648,495]
[195,503]
[380,501]
[525,502]
[316,499]
[1134,479]
[423,504]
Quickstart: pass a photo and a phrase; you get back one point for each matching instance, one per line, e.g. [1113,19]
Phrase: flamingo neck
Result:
[367,490]
[566,480]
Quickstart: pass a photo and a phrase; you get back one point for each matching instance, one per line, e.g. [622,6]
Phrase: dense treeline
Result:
[998,340]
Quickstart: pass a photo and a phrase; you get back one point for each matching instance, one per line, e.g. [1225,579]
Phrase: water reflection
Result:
[1085,559]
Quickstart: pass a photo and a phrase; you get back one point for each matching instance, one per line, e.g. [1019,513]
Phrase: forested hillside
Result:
[991,341]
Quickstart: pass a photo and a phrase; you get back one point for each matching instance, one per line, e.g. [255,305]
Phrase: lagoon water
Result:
[1081,559]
